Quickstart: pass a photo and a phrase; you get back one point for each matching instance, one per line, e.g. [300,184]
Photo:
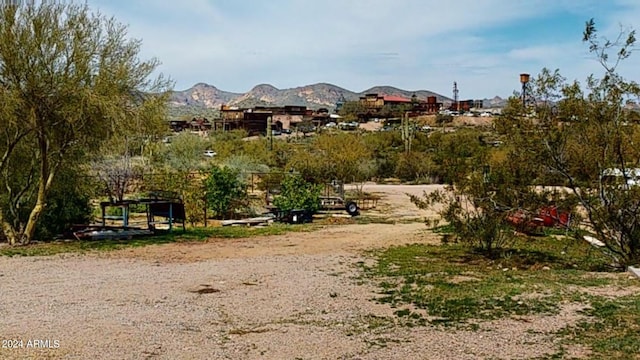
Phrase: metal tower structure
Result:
[455,96]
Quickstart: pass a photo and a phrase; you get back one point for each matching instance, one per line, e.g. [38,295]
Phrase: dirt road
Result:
[295,296]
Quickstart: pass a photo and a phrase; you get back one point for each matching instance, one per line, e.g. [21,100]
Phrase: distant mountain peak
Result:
[264,87]
[312,96]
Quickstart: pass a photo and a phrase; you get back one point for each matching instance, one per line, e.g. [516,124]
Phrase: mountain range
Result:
[314,96]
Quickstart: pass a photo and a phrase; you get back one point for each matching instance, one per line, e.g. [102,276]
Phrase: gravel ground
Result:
[295,296]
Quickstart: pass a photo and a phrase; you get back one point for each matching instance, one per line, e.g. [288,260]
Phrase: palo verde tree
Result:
[571,137]
[577,136]
[591,134]
[70,79]
[343,156]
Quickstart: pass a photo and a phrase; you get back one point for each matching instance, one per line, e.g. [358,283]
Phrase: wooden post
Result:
[104,220]
[170,216]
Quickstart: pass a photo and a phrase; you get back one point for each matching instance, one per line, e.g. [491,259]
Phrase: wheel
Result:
[352,208]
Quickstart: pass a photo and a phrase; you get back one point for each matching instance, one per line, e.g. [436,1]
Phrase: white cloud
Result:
[414,44]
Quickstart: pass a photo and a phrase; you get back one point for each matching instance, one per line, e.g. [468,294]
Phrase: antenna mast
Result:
[455,96]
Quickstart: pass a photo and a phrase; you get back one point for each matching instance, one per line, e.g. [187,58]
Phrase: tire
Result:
[352,208]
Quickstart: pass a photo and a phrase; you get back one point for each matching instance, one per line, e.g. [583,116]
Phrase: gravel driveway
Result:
[294,296]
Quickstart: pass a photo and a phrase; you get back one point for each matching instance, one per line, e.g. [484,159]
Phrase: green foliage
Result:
[474,217]
[415,166]
[570,136]
[448,285]
[563,136]
[352,110]
[225,193]
[244,166]
[341,156]
[187,185]
[76,81]
[296,193]
[457,154]
[184,153]
[69,202]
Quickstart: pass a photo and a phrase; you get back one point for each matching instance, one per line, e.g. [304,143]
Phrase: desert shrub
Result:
[225,192]
[296,193]
[414,166]
[68,203]
[472,214]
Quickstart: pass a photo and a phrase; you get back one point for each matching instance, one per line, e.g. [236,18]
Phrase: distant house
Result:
[230,118]
[254,120]
[466,105]
[178,125]
[200,124]
[374,104]
[375,101]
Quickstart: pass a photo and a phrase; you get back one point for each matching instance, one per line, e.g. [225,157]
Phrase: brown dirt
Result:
[294,296]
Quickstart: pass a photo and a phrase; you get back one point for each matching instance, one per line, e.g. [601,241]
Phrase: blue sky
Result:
[412,44]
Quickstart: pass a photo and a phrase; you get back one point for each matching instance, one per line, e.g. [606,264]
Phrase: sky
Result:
[483,45]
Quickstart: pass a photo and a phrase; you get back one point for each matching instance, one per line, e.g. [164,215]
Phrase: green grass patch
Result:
[443,229]
[453,285]
[612,330]
[367,219]
[192,234]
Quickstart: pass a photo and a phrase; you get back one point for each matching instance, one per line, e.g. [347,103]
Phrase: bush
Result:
[225,193]
[68,203]
[414,166]
[472,214]
[296,193]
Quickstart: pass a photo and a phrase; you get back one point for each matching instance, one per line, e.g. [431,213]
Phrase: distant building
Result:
[466,105]
[378,106]
[254,120]
[375,101]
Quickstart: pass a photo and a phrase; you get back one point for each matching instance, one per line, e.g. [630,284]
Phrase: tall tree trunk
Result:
[34,216]
[44,183]
[8,230]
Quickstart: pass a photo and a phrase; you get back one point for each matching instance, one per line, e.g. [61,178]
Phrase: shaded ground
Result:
[295,296]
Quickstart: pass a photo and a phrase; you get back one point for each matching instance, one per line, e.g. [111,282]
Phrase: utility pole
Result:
[455,96]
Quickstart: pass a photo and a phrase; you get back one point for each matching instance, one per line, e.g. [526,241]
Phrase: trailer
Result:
[338,203]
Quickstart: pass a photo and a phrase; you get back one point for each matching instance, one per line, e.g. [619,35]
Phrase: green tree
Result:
[352,110]
[342,156]
[595,135]
[224,191]
[296,193]
[184,153]
[578,136]
[188,185]
[70,79]
[570,137]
